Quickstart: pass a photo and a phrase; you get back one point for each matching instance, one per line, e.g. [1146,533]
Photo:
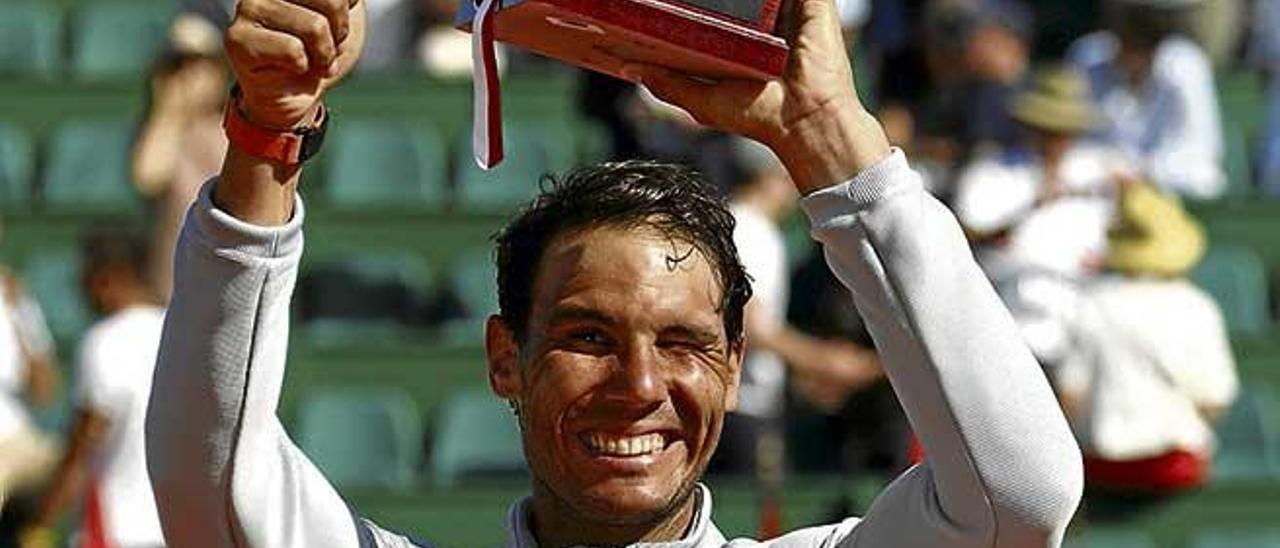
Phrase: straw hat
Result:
[1155,235]
[1056,99]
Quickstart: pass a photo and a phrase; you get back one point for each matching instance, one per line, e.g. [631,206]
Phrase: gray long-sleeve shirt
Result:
[1003,469]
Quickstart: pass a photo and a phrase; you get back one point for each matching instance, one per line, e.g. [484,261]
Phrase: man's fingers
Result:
[675,88]
[308,26]
[338,12]
[263,48]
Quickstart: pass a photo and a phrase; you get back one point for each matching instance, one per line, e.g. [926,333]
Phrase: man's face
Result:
[625,375]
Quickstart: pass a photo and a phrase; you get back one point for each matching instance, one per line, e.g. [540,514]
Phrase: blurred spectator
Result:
[181,143]
[1038,211]
[1265,50]
[1217,26]
[104,463]
[28,373]
[442,50]
[865,428]
[978,53]
[1156,92]
[1151,368]
[764,195]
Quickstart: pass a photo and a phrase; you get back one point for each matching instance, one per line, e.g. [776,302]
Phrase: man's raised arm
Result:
[1003,469]
[224,472]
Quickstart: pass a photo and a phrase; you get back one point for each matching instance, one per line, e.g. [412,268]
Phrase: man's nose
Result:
[640,378]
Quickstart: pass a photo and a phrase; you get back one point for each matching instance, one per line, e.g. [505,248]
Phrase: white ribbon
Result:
[486,131]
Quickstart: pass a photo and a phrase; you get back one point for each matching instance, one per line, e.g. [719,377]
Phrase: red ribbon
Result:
[486,131]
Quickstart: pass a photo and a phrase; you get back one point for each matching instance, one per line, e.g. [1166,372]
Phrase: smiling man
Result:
[619,340]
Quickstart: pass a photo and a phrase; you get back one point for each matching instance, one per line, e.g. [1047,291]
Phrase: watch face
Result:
[749,10]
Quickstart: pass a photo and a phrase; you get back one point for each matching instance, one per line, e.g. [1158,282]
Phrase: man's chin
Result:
[625,503]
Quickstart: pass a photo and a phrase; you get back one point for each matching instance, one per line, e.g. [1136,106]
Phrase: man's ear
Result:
[737,352]
[503,353]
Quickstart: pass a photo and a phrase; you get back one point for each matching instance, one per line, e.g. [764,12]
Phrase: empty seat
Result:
[88,167]
[1236,539]
[474,280]
[1249,436]
[362,437]
[29,38]
[477,437]
[533,149]
[1236,277]
[1238,163]
[111,39]
[377,163]
[16,162]
[53,277]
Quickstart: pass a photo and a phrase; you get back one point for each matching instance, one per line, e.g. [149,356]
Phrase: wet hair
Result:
[671,199]
[103,248]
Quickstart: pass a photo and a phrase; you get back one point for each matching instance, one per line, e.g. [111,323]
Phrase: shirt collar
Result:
[703,534]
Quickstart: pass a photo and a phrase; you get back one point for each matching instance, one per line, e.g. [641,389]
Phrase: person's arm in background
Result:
[158,147]
[88,431]
[828,370]
[225,473]
[1003,469]
[41,382]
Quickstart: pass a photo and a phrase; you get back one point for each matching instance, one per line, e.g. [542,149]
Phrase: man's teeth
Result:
[625,446]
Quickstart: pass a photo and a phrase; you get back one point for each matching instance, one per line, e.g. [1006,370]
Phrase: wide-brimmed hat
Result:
[1154,236]
[1055,99]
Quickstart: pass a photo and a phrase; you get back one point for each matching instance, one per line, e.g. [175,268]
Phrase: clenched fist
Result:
[287,53]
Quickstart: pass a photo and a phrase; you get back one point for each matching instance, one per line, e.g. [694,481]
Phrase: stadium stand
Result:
[17,159]
[30,39]
[386,164]
[1237,539]
[53,276]
[88,168]
[532,149]
[1110,538]
[1236,277]
[1249,437]
[111,39]
[476,438]
[362,437]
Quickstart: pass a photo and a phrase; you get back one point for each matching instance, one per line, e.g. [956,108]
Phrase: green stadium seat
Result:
[1249,437]
[30,41]
[112,39]
[476,438]
[378,163]
[1109,538]
[53,277]
[1236,277]
[369,437]
[17,157]
[533,149]
[1237,539]
[474,279]
[1239,163]
[88,167]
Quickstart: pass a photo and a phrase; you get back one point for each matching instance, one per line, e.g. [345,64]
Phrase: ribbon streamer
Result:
[486,131]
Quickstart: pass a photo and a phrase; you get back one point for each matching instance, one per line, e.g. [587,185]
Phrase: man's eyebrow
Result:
[698,333]
[572,313]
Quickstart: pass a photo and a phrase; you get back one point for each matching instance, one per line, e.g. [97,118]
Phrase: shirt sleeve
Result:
[224,472]
[92,387]
[1003,469]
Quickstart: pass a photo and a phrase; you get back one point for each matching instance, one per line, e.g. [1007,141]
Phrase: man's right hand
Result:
[287,53]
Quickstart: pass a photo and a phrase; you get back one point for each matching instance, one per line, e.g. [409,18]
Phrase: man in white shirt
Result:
[28,373]
[619,338]
[1151,369]
[104,466]
[1157,95]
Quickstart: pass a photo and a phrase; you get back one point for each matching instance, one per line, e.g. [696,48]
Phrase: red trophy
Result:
[711,38]
[715,38]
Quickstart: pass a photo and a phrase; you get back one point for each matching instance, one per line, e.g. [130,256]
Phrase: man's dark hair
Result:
[674,200]
[113,248]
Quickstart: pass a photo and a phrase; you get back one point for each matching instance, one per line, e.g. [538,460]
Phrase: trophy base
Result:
[604,35]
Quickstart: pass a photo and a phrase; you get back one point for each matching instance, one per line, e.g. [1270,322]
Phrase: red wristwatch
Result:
[290,147]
